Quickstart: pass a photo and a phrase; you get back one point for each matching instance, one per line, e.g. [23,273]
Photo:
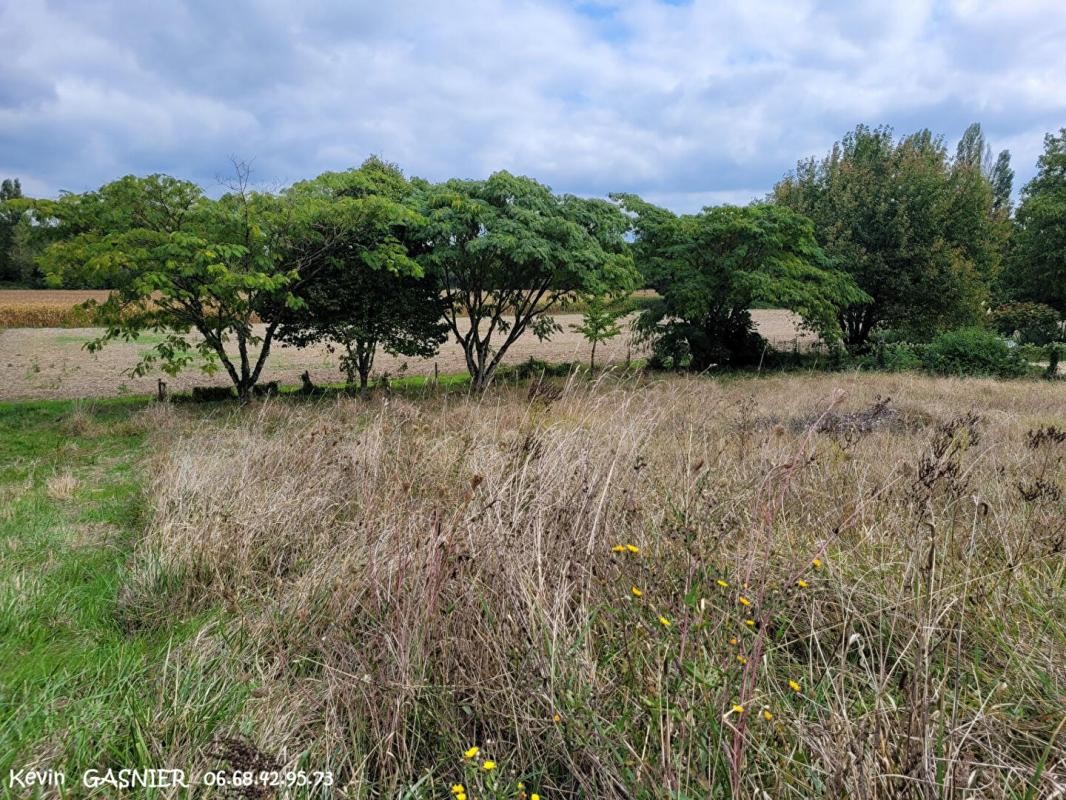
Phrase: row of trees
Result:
[932,239]
[881,232]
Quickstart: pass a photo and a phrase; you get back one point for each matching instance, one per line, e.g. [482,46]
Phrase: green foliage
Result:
[710,268]
[364,290]
[972,351]
[10,216]
[1038,264]
[177,263]
[508,252]
[1034,323]
[599,322]
[916,231]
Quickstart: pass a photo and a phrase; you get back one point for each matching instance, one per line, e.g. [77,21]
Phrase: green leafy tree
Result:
[1038,264]
[599,322]
[507,252]
[710,268]
[366,291]
[10,216]
[1002,180]
[916,232]
[177,263]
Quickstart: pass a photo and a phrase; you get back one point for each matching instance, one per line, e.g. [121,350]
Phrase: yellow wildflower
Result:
[534,796]
[794,686]
[457,788]
[632,548]
[816,563]
[557,718]
[742,660]
[637,592]
[473,751]
[802,583]
[722,583]
[461,796]
[488,766]
[750,623]
[732,639]
[744,601]
[664,621]
[738,709]
[766,715]
[618,548]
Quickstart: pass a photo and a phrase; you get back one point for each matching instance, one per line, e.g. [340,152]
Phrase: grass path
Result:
[77,691]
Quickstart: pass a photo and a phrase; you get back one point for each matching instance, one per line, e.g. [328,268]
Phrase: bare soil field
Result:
[51,363]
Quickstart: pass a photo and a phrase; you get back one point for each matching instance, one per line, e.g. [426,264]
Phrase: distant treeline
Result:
[882,236]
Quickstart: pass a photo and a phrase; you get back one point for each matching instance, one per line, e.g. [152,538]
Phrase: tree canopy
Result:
[916,231]
[1038,264]
[177,262]
[710,268]
[365,290]
[507,252]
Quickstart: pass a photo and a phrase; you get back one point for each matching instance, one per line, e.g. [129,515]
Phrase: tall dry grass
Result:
[829,605]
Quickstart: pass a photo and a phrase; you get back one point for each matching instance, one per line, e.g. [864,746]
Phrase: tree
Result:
[1038,264]
[916,232]
[368,291]
[507,252]
[1002,180]
[10,215]
[178,262]
[710,268]
[599,323]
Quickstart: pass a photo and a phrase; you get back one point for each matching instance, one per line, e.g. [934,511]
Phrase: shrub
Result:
[1031,323]
[211,394]
[972,351]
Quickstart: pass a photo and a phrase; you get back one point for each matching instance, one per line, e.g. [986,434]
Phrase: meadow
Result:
[792,586]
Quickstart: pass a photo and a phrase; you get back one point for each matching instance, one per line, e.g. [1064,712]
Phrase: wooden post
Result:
[161,391]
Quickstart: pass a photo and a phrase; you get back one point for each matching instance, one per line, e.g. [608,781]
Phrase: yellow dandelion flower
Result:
[637,592]
[766,715]
[816,563]
[521,785]
[794,686]
[473,751]
[750,623]
[632,548]
[461,796]
[732,639]
[488,766]
[723,584]
[664,621]
[534,796]
[618,548]
[742,660]
[738,709]
[457,788]
[744,601]
[802,583]
[557,719]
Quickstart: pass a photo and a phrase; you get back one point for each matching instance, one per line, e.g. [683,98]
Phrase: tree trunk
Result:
[592,358]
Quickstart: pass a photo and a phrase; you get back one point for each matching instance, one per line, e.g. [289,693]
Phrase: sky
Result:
[687,103]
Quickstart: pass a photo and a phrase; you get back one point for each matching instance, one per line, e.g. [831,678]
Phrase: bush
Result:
[212,394]
[1029,323]
[534,368]
[972,351]
[895,356]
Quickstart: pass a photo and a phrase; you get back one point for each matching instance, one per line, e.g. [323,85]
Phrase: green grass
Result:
[77,691]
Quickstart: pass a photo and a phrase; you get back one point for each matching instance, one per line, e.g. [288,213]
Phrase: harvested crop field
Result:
[51,363]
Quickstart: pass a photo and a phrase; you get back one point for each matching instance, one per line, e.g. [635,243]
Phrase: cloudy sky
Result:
[686,103]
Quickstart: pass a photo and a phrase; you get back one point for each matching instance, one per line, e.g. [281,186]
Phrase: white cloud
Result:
[687,104]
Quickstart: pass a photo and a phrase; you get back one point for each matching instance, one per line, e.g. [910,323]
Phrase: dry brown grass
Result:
[48,363]
[405,580]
